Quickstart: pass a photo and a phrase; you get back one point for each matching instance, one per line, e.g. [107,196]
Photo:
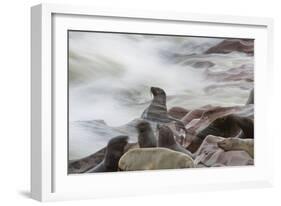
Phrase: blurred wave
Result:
[111,75]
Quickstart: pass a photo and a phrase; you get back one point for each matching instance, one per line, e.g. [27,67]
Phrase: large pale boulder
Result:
[154,159]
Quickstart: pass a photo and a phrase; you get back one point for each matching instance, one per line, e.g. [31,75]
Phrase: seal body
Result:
[153,159]
[224,122]
[225,126]
[166,139]
[246,124]
[157,110]
[114,150]
[146,137]
[239,121]
[235,143]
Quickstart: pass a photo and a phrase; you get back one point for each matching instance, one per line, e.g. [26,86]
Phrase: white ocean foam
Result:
[111,75]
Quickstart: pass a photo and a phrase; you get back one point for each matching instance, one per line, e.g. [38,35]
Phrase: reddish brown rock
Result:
[231,45]
[210,154]
[194,114]
[178,112]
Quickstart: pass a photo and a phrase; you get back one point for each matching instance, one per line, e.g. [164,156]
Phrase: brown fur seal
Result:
[228,122]
[246,124]
[153,159]
[235,143]
[166,139]
[146,137]
[224,127]
[221,121]
[114,150]
[228,126]
[157,110]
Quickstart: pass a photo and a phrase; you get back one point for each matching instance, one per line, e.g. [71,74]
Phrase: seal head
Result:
[114,151]
[159,94]
[146,137]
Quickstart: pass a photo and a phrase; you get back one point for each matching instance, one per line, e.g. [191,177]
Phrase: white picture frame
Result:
[50,182]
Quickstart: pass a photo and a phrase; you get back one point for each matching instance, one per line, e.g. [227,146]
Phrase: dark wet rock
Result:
[86,163]
[251,97]
[231,45]
[198,63]
[203,64]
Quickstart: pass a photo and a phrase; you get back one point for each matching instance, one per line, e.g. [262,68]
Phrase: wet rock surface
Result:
[203,138]
[231,45]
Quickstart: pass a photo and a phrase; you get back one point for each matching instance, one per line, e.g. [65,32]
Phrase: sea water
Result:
[110,76]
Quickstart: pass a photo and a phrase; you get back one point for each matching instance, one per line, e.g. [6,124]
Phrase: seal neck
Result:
[160,100]
[166,137]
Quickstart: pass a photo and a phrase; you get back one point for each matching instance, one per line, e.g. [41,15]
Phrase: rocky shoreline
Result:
[205,127]
[201,131]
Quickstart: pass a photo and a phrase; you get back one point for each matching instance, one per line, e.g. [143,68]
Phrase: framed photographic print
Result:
[134,102]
